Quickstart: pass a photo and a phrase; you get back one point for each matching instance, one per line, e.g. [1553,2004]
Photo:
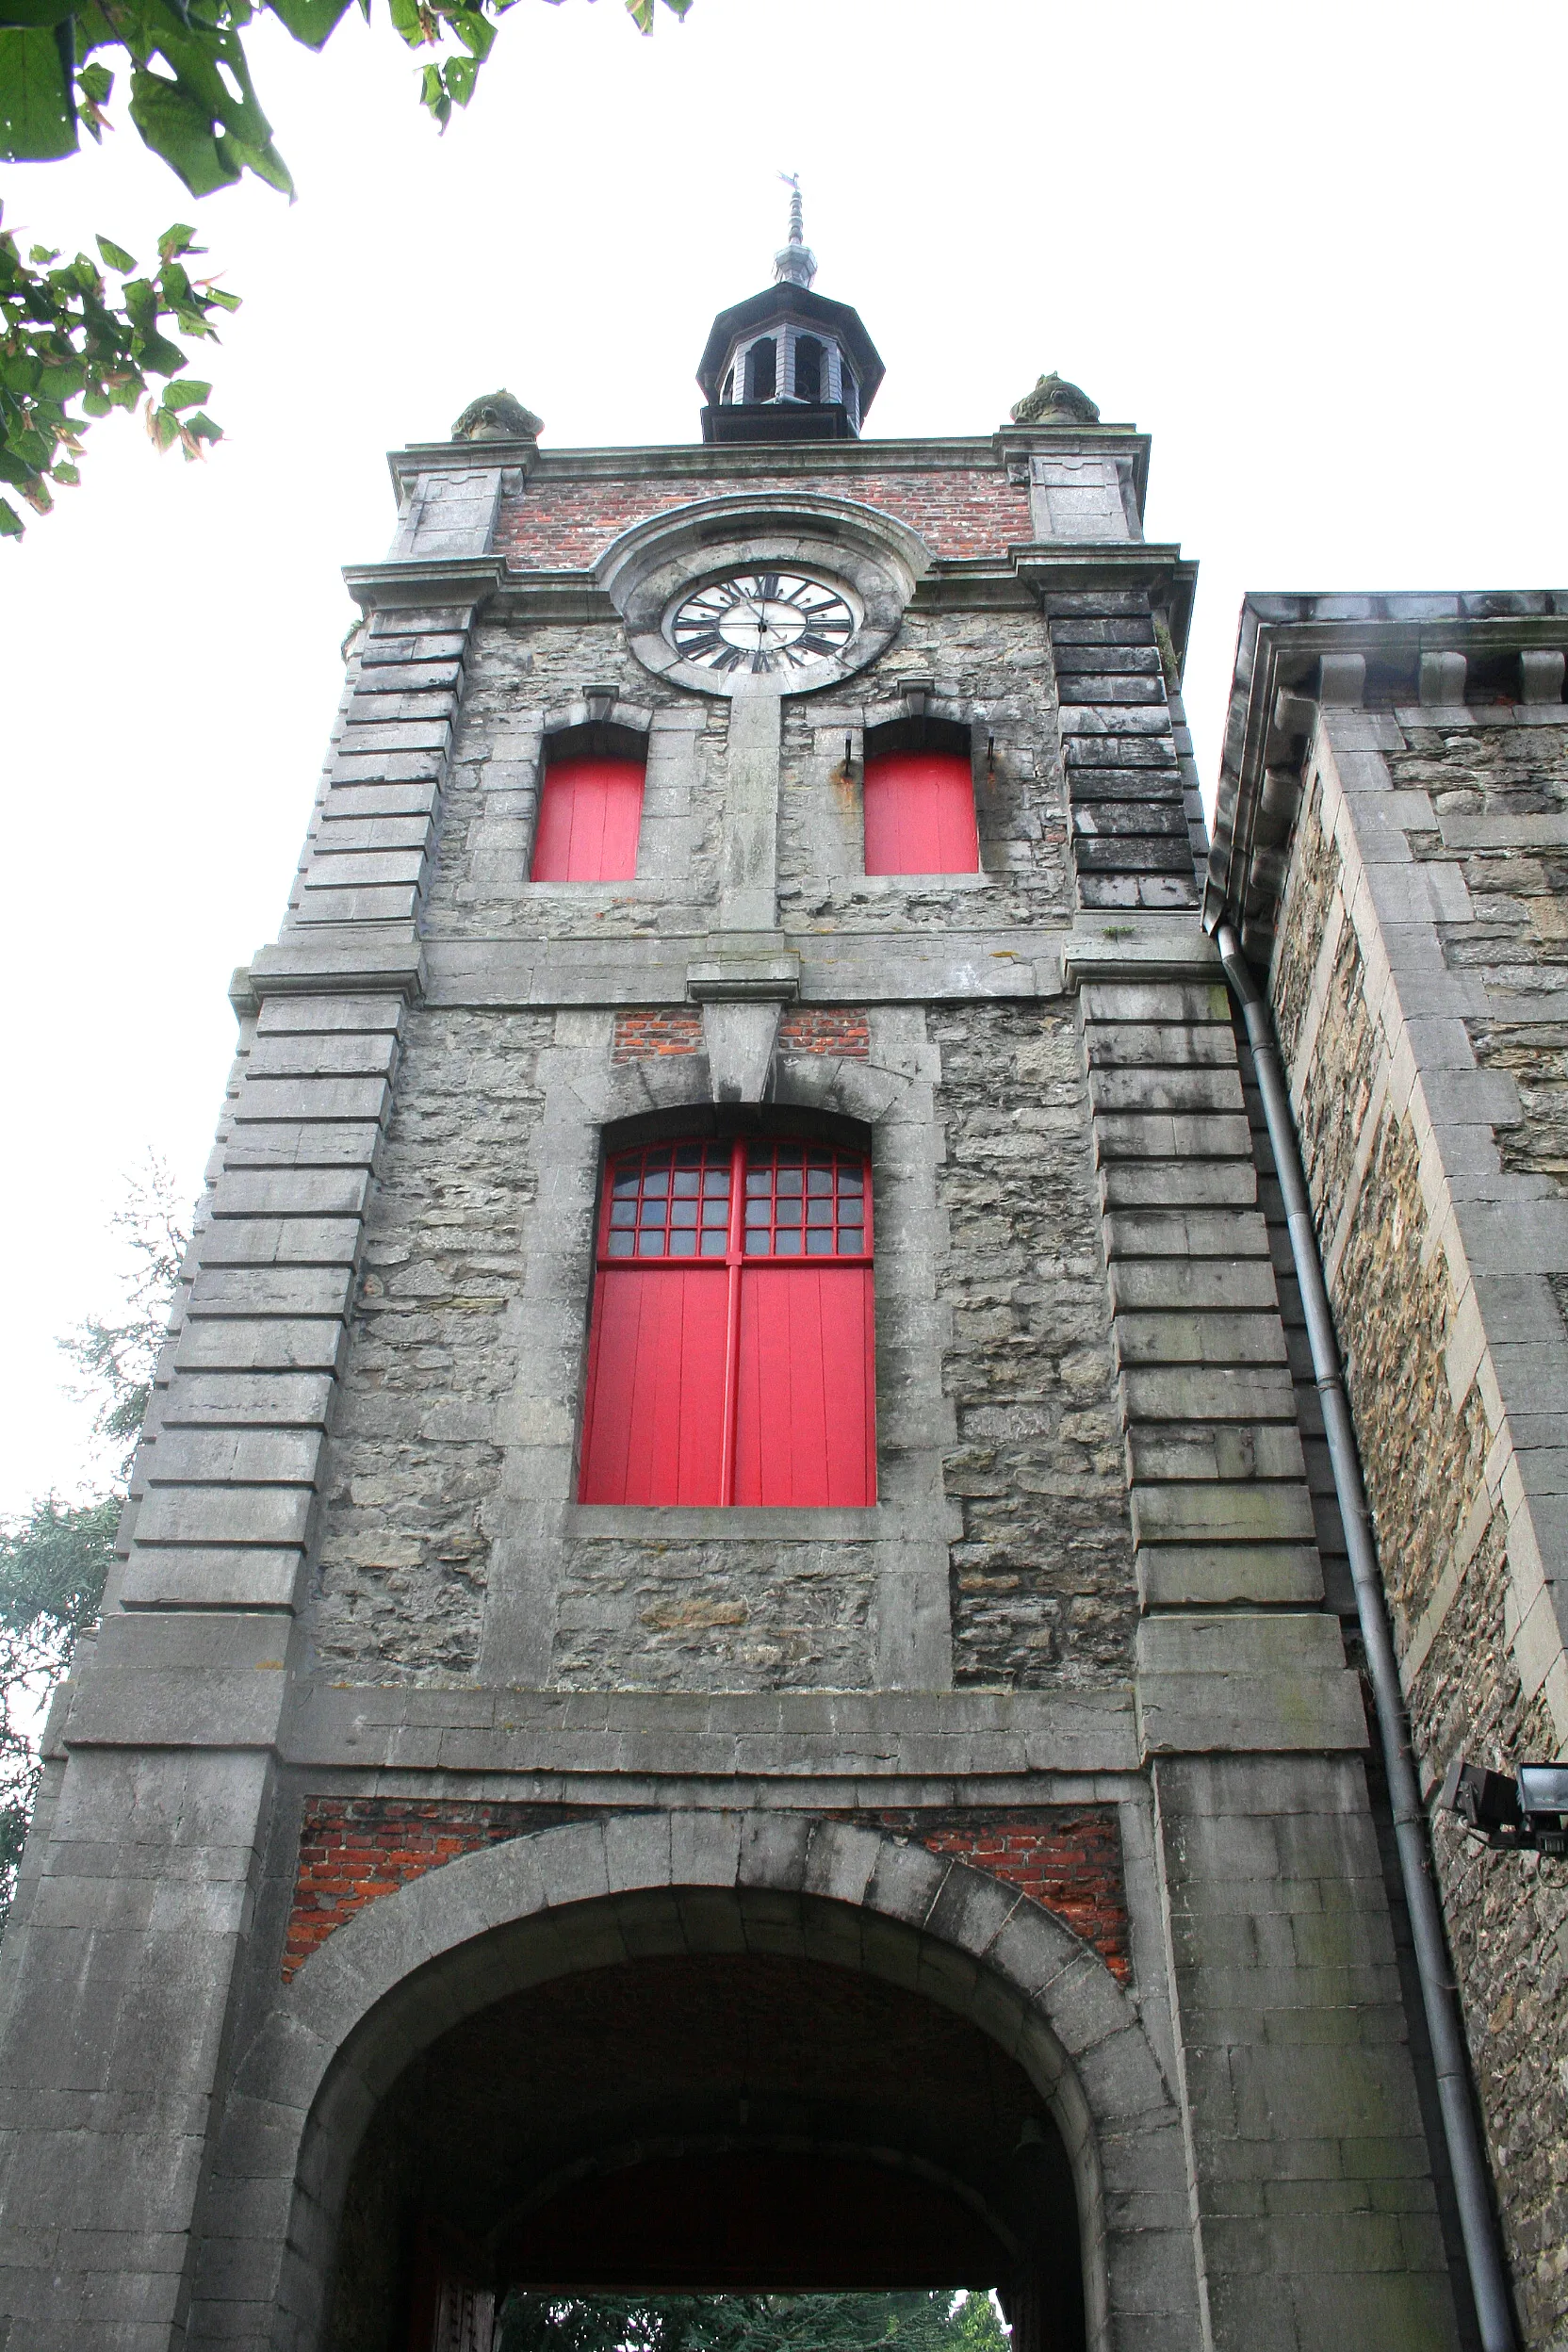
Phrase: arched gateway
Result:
[716,2023]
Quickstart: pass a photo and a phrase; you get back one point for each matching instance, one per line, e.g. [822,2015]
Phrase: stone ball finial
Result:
[1055,401]
[498,416]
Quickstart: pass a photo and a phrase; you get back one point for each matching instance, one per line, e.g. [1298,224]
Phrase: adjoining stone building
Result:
[733,1664]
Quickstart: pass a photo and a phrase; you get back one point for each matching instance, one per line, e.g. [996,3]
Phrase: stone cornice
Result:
[1066,567]
[701,460]
[423,581]
[1281,649]
[1027,572]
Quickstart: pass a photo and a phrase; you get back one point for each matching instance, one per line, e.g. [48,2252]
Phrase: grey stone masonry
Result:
[1308,2167]
[373,825]
[1221,1514]
[1133,805]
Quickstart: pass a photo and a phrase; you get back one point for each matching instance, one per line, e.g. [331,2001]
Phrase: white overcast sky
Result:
[1315,251]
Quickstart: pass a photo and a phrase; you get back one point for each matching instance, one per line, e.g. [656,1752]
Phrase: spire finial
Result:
[795,264]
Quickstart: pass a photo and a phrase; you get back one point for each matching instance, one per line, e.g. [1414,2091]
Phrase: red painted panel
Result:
[590,813]
[805,1410]
[919,814]
[655,1379]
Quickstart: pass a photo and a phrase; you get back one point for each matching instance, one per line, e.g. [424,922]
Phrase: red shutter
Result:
[655,1428]
[590,813]
[732,1357]
[804,1424]
[919,814]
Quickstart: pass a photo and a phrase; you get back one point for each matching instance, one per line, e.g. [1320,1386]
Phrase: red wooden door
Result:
[732,1357]
[919,814]
[590,813]
[804,1420]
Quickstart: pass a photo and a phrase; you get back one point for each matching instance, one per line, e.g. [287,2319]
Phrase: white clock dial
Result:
[761,621]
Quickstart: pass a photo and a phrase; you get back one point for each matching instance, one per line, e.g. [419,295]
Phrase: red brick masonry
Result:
[1067,1860]
[960,510]
[354,1848]
[643,1036]
[806,1030]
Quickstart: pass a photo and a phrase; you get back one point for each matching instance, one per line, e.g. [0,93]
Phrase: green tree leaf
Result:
[177,126]
[311,22]
[116,256]
[38,108]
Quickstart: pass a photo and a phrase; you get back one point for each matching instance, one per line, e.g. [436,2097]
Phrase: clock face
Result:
[761,621]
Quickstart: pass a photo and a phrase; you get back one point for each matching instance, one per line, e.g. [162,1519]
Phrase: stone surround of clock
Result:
[653,573]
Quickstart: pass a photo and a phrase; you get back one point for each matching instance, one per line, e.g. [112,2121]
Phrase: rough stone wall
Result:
[1441,1533]
[1043,1586]
[486,839]
[635,1614]
[411,1464]
[997,660]
[565,524]
[1518,941]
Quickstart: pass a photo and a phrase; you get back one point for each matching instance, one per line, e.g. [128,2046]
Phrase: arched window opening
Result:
[730,1355]
[920,799]
[591,805]
[809,359]
[762,370]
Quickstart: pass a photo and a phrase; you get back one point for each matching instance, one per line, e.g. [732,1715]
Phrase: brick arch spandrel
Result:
[598,1893]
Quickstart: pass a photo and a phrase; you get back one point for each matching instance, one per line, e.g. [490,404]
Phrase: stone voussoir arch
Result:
[489,1923]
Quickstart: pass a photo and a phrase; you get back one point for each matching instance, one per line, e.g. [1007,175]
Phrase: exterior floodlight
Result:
[1543,1803]
[1524,1815]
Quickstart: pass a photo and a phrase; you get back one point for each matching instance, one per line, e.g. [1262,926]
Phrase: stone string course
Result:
[959,510]
[356,1850]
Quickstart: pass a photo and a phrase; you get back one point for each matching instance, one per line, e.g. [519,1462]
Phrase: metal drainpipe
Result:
[1482,2254]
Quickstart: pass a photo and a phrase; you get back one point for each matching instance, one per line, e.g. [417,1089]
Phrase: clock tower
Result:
[726,1669]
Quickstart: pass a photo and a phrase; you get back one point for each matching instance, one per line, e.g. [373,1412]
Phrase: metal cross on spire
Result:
[795,264]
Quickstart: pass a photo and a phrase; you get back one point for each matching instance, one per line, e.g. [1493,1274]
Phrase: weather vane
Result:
[795,264]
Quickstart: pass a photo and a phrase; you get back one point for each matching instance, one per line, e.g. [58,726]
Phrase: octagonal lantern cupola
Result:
[787,365]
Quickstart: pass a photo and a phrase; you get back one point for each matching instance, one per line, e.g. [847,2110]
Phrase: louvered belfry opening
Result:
[731,1352]
[589,805]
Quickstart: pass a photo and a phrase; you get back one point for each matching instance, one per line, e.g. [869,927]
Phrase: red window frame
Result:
[731,1350]
[590,818]
[920,813]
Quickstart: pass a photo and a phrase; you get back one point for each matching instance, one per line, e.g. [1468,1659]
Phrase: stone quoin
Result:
[732,1662]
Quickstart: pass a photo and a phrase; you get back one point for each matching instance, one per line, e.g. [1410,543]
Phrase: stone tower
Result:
[726,1666]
